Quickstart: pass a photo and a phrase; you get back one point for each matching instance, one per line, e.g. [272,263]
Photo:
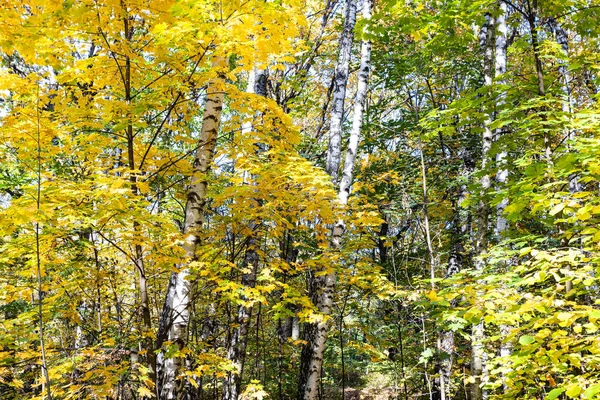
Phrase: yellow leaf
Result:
[143,391]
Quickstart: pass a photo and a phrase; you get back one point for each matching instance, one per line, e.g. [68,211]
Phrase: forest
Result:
[299,199]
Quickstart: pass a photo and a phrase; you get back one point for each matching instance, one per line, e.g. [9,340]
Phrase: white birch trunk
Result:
[176,311]
[316,334]
[456,262]
[502,174]
[236,351]
[481,241]
[340,81]
[359,104]
[81,339]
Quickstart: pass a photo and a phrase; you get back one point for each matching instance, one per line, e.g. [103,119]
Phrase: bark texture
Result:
[502,174]
[562,38]
[457,261]
[340,80]
[176,310]
[500,70]
[483,211]
[236,352]
[322,287]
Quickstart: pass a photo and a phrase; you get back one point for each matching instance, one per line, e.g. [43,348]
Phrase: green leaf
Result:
[428,353]
[425,356]
[525,340]
[591,391]
[554,393]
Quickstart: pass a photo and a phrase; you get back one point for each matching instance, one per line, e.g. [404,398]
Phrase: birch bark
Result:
[340,81]
[502,174]
[236,352]
[456,263]
[481,240]
[316,334]
[176,310]
[500,70]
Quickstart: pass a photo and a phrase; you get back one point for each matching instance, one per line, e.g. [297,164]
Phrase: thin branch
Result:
[159,129]
[37,249]
[516,8]
[116,246]
[112,55]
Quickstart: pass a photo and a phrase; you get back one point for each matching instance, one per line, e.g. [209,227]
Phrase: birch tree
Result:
[316,334]
[340,80]
[500,70]
[176,311]
[236,352]
[502,175]
[481,240]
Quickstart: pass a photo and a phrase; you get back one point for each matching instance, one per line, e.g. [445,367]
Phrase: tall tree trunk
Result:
[176,310]
[139,252]
[236,352]
[340,80]
[322,287]
[439,391]
[456,263]
[539,70]
[535,44]
[502,174]
[446,338]
[46,383]
[481,239]
[562,38]
[359,104]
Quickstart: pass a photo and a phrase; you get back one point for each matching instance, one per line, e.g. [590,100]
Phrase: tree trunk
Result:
[322,287]
[456,263]
[535,44]
[562,38]
[176,310]
[439,391]
[531,20]
[502,174]
[150,357]
[340,81]
[236,352]
[563,67]
[481,240]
